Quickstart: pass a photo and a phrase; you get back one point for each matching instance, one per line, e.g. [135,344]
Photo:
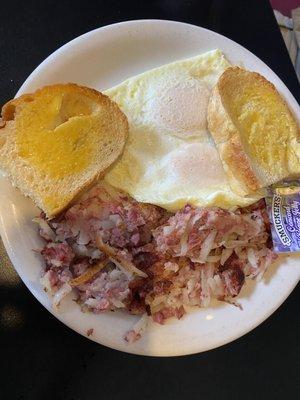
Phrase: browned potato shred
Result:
[115,257]
[93,270]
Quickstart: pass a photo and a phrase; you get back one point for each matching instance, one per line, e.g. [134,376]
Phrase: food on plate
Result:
[170,158]
[56,142]
[170,224]
[117,253]
[256,134]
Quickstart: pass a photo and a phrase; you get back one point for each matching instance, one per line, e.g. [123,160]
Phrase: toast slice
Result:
[254,130]
[56,142]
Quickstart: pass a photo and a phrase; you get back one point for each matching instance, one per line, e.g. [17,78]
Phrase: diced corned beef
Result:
[132,336]
[171,266]
[90,332]
[232,262]
[139,289]
[57,254]
[65,275]
[133,218]
[136,307]
[146,248]
[80,267]
[98,305]
[118,238]
[135,239]
[161,287]
[53,277]
[144,261]
[137,331]
[233,279]
[168,312]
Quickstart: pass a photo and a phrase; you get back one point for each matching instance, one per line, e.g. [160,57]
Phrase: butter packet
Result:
[283,206]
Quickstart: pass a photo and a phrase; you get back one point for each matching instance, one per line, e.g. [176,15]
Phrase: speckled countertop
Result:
[8,275]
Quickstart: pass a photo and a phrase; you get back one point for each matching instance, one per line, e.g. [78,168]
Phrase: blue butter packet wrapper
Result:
[283,205]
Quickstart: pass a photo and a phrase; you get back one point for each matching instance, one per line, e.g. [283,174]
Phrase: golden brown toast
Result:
[56,142]
[254,130]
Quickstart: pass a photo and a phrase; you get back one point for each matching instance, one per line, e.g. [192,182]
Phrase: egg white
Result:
[170,158]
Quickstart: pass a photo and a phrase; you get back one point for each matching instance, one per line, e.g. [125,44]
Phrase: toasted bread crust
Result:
[30,180]
[244,175]
[226,136]
[8,110]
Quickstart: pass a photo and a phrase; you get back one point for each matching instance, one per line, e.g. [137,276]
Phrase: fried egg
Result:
[170,158]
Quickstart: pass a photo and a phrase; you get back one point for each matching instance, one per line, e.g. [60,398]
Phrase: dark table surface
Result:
[43,359]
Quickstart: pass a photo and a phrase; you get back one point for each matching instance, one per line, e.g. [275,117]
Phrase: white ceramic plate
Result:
[101,59]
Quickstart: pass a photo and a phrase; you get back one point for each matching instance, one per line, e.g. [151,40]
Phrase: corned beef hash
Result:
[117,253]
